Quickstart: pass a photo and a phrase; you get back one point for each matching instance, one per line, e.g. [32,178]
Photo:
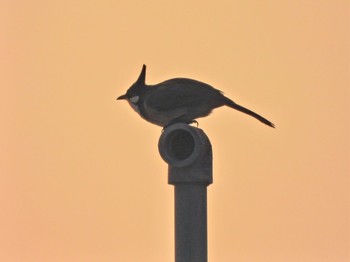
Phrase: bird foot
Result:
[188,123]
[193,122]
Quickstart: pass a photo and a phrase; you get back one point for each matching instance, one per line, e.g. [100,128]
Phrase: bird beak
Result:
[122,97]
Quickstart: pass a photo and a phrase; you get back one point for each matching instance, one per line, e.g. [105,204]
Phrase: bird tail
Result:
[242,109]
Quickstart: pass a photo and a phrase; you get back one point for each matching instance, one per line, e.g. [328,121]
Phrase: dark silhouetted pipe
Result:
[187,150]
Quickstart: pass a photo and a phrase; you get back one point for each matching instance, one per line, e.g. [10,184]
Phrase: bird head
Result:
[137,89]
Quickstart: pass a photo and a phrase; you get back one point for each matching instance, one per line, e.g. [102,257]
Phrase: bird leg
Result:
[175,121]
[193,122]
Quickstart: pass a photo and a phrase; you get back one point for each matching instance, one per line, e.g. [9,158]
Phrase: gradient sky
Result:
[81,178]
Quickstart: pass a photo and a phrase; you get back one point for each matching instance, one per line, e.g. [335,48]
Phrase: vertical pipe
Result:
[190,222]
[187,150]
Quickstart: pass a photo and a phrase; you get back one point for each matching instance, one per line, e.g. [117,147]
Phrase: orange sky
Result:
[81,178]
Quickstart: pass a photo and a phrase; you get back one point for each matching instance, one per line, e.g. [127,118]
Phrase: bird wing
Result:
[180,93]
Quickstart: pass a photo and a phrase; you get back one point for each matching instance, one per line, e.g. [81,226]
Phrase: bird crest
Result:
[142,77]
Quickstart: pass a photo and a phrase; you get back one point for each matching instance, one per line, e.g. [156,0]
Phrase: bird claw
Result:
[193,122]
[188,123]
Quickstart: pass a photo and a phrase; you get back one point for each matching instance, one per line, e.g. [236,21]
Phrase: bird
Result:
[178,100]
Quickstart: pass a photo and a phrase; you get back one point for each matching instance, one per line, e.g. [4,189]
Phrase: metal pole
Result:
[187,150]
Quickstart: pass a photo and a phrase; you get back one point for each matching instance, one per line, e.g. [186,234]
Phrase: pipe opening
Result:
[181,145]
